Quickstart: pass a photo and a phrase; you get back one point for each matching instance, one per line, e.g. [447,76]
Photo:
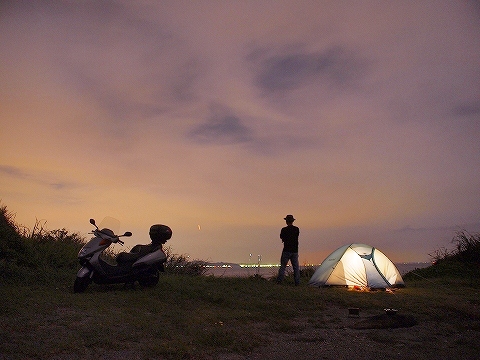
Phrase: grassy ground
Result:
[202,317]
[186,317]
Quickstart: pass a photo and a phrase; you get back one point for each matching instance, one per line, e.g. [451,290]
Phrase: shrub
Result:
[11,244]
[461,262]
[307,272]
[467,249]
[37,255]
[180,264]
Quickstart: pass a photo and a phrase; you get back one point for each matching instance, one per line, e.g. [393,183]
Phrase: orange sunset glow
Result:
[218,118]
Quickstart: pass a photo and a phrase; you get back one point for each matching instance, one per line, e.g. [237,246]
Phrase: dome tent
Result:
[357,265]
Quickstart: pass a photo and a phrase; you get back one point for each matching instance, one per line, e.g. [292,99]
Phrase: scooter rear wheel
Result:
[149,280]
[81,284]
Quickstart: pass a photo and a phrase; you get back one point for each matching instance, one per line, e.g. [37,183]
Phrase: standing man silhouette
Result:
[289,235]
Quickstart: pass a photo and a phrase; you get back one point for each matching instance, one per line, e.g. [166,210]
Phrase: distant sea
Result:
[237,270]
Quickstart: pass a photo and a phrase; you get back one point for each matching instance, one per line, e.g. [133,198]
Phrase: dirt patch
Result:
[384,321]
[339,335]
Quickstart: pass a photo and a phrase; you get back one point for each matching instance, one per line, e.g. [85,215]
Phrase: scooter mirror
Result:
[128,233]
[92,221]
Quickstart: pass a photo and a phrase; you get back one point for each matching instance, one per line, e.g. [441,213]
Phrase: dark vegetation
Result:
[181,265]
[39,255]
[189,315]
[463,261]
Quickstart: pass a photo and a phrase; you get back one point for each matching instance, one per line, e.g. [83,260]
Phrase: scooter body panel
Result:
[84,272]
[96,244]
[154,258]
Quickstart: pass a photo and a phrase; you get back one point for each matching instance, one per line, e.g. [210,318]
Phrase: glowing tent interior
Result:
[357,265]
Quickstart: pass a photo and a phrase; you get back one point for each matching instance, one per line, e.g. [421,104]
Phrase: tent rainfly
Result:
[357,265]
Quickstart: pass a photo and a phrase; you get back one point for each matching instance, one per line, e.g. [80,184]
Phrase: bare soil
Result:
[370,335]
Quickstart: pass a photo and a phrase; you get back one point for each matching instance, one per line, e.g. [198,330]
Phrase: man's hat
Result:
[289,218]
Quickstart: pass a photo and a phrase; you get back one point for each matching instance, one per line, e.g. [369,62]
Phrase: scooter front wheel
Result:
[81,284]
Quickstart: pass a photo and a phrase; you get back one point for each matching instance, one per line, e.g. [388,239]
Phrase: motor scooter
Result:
[141,264]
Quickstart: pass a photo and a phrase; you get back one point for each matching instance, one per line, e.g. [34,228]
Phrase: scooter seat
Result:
[136,253]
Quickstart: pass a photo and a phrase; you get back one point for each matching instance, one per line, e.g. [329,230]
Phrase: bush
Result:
[180,264]
[461,262]
[307,272]
[11,243]
[38,255]
[453,270]
[467,249]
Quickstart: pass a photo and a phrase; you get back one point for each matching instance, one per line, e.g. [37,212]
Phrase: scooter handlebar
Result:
[112,237]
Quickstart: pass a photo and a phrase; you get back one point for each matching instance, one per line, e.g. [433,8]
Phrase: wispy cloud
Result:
[13,171]
[222,127]
[334,66]
[39,179]
[467,109]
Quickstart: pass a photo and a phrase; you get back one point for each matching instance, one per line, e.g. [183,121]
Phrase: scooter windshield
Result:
[110,223]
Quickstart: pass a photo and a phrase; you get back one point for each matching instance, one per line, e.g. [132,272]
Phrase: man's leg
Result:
[283,264]
[296,268]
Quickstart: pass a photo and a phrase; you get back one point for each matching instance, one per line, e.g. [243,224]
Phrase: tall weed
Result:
[466,250]
[37,255]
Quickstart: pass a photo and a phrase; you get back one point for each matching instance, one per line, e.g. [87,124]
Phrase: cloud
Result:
[126,67]
[38,179]
[344,115]
[258,136]
[334,66]
[13,171]
[467,109]
[223,127]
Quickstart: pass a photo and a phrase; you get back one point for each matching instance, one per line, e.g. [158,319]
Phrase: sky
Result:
[219,118]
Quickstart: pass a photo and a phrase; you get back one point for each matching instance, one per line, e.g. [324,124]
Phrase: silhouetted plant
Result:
[24,251]
[440,254]
[180,264]
[11,243]
[467,249]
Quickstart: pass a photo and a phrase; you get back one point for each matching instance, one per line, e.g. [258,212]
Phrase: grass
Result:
[203,317]
[187,317]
